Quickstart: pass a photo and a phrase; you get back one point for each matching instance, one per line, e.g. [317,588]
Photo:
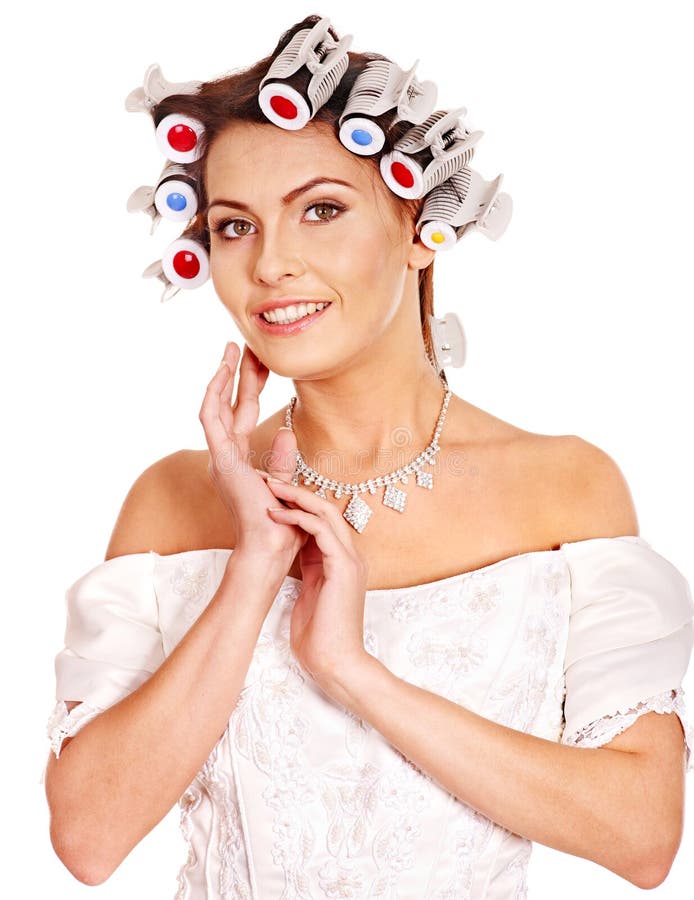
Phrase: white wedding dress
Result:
[301,799]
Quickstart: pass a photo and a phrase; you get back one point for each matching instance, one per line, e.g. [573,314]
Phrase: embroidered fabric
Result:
[65,723]
[299,795]
[602,730]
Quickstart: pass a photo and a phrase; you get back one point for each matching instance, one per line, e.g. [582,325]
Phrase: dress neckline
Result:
[439,581]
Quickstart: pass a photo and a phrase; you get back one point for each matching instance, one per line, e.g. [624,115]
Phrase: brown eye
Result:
[324,212]
[241,228]
[232,229]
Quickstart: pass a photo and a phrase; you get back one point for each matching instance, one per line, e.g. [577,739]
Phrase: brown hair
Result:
[235,97]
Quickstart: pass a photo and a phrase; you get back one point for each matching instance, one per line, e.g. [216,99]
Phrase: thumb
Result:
[282,462]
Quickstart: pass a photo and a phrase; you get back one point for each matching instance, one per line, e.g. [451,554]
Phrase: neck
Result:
[349,431]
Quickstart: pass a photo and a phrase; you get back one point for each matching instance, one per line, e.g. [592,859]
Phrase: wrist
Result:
[271,568]
[350,681]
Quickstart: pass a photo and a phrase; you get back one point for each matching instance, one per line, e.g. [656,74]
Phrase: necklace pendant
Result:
[425,479]
[395,498]
[357,513]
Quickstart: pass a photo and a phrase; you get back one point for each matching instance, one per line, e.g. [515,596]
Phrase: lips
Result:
[280,303]
[287,328]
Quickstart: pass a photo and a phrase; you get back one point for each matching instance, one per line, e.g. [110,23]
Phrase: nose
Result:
[278,257]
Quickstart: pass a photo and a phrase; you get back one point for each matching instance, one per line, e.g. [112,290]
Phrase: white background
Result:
[578,319]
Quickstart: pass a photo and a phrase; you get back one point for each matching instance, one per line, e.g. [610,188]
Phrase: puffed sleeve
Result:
[112,641]
[629,642]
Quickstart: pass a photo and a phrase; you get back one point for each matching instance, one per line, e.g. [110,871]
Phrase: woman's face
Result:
[276,234]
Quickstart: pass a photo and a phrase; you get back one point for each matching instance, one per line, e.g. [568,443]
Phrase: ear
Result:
[419,255]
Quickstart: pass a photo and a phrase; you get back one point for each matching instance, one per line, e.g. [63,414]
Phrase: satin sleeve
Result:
[629,642]
[113,642]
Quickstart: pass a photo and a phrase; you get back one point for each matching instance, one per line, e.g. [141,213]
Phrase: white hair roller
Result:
[314,48]
[381,86]
[464,200]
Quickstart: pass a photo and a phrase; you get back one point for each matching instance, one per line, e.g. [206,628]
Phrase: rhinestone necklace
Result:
[358,512]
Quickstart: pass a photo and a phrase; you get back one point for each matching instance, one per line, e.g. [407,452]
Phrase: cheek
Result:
[226,284]
[223,270]
[360,257]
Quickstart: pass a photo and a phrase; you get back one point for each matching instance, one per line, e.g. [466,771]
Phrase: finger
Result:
[252,377]
[332,548]
[225,412]
[227,365]
[265,475]
[282,458]
[232,353]
[209,411]
[223,400]
[311,502]
[263,371]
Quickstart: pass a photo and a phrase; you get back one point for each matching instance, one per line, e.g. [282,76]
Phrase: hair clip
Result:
[155,88]
[174,197]
[450,144]
[381,86]
[185,264]
[465,200]
[314,48]
[178,136]
[448,339]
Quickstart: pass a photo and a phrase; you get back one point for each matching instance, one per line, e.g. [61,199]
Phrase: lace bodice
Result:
[299,798]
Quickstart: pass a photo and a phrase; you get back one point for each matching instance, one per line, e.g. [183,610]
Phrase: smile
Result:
[285,328]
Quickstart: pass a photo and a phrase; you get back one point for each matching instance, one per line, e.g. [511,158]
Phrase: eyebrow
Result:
[288,198]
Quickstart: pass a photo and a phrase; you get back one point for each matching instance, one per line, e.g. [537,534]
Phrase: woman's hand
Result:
[240,486]
[327,623]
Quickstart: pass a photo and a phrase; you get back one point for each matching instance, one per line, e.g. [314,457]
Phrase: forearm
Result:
[124,770]
[591,803]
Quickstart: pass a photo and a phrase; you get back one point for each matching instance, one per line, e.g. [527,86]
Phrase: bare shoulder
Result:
[591,489]
[535,489]
[167,509]
[173,506]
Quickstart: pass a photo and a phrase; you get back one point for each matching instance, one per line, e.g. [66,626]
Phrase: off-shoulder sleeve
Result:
[629,642]
[112,641]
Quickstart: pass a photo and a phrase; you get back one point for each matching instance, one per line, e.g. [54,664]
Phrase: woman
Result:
[395,694]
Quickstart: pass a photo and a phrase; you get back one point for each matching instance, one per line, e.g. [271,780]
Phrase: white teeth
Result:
[293,312]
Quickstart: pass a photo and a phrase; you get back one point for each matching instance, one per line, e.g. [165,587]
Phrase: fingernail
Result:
[285,428]
[277,509]
[272,478]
